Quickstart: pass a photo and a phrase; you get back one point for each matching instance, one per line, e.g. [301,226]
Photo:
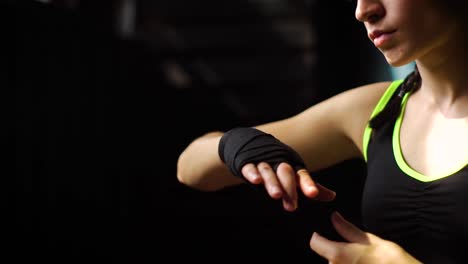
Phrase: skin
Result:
[443,93]
[434,127]
[362,247]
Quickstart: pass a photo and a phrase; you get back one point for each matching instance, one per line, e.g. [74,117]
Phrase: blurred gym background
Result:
[108,93]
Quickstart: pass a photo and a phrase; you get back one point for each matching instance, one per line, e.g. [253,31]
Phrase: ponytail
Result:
[392,110]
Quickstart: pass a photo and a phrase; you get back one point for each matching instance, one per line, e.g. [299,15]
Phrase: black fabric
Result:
[428,219]
[243,145]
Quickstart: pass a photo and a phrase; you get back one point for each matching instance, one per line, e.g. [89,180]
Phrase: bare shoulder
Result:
[353,108]
[345,115]
[362,98]
[332,130]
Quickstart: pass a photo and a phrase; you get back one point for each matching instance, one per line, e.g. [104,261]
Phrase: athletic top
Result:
[427,216]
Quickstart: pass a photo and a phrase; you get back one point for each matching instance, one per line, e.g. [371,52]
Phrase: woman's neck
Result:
[444,74]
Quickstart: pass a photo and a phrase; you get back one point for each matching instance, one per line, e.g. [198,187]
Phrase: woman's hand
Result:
[283,183]
[362,248]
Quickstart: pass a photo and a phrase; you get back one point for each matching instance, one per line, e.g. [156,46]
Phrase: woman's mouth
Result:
[380,37]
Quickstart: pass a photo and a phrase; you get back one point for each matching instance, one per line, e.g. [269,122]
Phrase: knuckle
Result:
[284,167]
[263,166]
[335,255]
[247,168]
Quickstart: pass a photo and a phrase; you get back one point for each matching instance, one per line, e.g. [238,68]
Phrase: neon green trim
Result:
[379,107]
[399,154]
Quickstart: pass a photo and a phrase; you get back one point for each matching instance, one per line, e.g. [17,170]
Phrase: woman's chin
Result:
[397,62]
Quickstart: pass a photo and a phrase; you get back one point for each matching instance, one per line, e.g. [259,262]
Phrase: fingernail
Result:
[254,176]
[290,207]
[275,190]
[316,234]
[337,216]
[312,188]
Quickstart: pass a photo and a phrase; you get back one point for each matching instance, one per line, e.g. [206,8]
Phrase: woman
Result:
[412,134]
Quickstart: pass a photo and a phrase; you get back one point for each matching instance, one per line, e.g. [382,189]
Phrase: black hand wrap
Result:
[243,145]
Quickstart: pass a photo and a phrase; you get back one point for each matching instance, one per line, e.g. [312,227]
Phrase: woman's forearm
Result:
[200,167]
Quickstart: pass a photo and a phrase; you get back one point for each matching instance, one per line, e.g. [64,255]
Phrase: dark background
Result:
[100,97]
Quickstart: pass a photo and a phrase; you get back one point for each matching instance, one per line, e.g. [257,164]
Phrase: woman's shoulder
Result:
[368,92]
[355,106]
[361,98]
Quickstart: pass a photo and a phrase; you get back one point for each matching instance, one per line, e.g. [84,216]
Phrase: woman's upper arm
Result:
[332,130]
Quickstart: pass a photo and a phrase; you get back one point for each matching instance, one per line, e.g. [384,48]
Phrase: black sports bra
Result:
[427,216]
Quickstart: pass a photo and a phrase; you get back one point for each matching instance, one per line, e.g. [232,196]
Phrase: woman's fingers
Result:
[326,248]
[307,184]
[312,189]
[350,232]
[271,182]
[287,179]
[250,173]
[325,194]
[284,182]
[363,247]
[342,252]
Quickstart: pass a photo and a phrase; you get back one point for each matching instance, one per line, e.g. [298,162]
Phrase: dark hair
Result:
[392,110]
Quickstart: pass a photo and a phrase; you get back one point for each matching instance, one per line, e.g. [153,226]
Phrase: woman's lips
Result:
[380,38]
